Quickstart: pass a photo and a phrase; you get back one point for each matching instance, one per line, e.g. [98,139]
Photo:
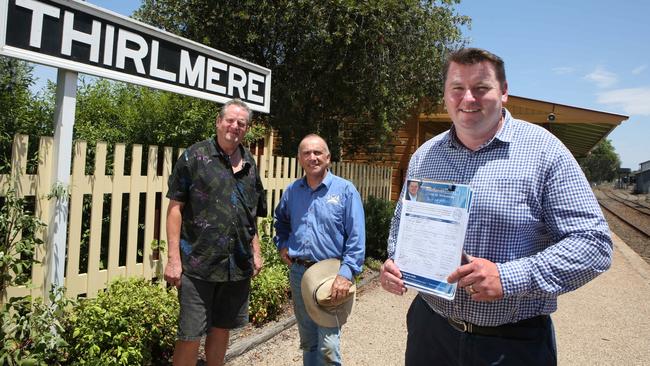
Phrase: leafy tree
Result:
[22,111]
[15,79]
[117,112]
[602,163]
[349,70]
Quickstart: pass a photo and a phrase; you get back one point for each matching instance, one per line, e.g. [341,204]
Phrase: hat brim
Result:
[322,274]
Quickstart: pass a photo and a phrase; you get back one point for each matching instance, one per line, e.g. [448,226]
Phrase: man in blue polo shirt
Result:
[320,216]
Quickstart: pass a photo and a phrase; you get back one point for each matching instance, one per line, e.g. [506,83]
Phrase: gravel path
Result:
[374,334]
[606,322]
[631,236]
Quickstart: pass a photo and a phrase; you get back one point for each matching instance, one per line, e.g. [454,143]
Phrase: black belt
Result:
[303,262]
[521,329]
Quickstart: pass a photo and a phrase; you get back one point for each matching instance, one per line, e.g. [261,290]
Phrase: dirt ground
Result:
[374,334]
[606,322]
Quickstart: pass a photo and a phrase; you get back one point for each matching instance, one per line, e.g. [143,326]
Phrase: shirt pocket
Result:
[330,212]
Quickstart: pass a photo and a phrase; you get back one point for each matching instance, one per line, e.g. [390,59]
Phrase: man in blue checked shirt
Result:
[320,216]
[535,229]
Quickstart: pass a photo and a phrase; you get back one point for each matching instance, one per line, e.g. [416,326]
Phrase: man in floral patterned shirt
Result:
[215,195]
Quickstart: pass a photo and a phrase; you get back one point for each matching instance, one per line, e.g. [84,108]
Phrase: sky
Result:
[590,54]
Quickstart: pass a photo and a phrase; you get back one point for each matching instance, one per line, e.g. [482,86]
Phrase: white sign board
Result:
[81,37]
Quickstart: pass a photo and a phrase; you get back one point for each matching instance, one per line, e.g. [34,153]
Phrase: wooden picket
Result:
[276,172]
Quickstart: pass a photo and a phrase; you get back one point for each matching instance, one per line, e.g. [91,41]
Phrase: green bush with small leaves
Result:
[133,322]
[373,264]
[270,288]
[379,213]
[19,238]
[32,331]
[269,291]
[269,250]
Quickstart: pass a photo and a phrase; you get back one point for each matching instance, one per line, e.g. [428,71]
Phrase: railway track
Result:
[634,216]
[643,231]
[630,222]
[640,206]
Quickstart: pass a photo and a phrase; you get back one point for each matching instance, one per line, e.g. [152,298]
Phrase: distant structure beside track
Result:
[643,178]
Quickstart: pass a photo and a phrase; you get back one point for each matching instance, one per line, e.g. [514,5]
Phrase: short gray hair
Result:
[312,135]
[240,103]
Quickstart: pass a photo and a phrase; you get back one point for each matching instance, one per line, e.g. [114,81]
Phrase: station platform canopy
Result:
[580,129]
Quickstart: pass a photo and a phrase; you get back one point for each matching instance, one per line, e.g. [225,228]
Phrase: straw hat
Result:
[316,286]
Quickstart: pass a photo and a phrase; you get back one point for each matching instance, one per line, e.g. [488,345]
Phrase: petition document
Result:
[431,234]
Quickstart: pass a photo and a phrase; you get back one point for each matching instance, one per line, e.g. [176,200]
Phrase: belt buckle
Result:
[466,327]
[304,262]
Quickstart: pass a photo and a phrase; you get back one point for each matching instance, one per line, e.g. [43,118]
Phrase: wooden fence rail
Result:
[113,216]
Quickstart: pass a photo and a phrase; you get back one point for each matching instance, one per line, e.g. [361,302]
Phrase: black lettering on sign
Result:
[78,36]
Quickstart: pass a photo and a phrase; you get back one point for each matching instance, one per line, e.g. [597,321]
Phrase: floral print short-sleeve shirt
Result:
[219,211]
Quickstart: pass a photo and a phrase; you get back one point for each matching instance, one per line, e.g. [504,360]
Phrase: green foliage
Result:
[19,237]
[255,133]
[59,191]
[602,163]
[379,213]
[32,331]
[117,112]
[158,245]
[22,112]
[358,67]
[269,251]
[132,323]
[373,264]
[270,288]
[15,79]
[269,291]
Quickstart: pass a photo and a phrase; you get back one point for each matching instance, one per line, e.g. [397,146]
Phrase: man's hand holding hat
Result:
[340,288]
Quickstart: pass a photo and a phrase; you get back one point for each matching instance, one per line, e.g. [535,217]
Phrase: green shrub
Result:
[269,291]
[373,264]
[379,213]
[32,332]
[19,238]
[269,250]
[133,322]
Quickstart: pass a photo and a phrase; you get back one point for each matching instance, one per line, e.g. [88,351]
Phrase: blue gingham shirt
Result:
[322,223]
[533,214]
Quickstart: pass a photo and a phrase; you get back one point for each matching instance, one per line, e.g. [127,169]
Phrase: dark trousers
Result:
[433,341]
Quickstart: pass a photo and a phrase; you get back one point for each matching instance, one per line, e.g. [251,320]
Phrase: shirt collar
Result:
[505,133]
[327,181]
[218,151]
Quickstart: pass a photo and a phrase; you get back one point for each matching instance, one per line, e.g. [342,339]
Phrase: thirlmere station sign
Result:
[81,37]
[75,36]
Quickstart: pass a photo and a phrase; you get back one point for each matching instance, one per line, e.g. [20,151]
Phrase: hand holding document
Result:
[431,235]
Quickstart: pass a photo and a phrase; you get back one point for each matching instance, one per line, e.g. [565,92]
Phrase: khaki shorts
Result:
[206,305]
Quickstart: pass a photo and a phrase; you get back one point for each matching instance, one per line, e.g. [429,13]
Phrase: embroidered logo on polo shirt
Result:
[333,199]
